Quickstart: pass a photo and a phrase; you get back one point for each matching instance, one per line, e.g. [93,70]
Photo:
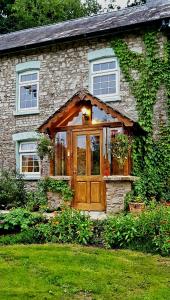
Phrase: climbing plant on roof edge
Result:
[151,157]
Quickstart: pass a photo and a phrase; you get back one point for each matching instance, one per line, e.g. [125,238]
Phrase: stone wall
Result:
[116,189]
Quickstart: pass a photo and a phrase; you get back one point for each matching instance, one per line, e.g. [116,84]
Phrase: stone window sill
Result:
[31,177]
[120,178]
[24,113]
[110,98]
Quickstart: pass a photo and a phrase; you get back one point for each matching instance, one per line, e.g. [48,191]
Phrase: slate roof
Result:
[98,25]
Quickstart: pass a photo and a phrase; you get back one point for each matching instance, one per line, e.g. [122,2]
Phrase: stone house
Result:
[65,79]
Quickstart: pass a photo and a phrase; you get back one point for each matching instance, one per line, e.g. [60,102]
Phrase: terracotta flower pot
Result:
[136,207]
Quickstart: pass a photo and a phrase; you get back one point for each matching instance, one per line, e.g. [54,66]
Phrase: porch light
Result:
[85,112]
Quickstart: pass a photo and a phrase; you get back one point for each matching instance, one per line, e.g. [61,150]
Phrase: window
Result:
[27,87]
[29,161]
[28,90]
[105,78]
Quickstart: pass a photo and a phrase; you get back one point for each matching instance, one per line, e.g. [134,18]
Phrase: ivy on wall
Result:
[151,158]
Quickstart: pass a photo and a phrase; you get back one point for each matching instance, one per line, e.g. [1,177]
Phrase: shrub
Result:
[119,231]
[27,236]
[12,190]
[153,229]
[36,200]
[150,231]
[19,219]
[71,226]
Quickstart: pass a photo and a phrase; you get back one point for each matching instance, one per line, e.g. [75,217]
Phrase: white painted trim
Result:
[107,97]
[24,83]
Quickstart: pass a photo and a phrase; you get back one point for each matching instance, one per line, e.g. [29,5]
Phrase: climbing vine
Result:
[151,158]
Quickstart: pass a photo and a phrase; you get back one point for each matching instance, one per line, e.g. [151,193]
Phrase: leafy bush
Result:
[36,200]
[119,231]
[72,226]
[153,229]
[149,231]
[27,236]
[69,226]
[12,190]
[19,219]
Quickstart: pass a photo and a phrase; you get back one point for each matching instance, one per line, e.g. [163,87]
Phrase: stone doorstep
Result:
[94,215]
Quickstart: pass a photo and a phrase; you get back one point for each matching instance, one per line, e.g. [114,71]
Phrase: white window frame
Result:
[116,71]
[27,153]
[24,83]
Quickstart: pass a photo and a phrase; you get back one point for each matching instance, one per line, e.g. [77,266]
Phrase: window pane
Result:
[95,154]
[105,84]
[28,96]
[28,147]
[29,77]
[112,65]
[99,116]
[77,120]
[81,155]
[61,153]
[104,66]
[112,77]
[30,163]
[96,67]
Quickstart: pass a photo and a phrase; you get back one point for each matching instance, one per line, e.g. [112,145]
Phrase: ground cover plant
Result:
[75,272]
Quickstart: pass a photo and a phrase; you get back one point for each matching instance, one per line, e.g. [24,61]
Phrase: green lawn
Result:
[74,272]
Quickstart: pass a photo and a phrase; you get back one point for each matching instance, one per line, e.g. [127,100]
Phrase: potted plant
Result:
[120,146]
[45,147]
[136,205]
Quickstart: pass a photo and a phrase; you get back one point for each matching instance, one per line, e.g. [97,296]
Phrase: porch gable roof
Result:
[83,95]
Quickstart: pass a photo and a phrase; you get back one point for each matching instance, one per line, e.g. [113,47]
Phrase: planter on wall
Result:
[136,207]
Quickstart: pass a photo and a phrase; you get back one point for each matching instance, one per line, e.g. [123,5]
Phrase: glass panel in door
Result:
[95,154]
[81,155]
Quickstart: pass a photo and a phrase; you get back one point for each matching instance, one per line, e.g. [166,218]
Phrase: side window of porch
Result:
[61,153]
[104,79]
[27,88]
[117,161]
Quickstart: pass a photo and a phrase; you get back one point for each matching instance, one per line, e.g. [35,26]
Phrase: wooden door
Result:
[87,170]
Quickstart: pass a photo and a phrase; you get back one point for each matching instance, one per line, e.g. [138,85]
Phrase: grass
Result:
[74,272]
